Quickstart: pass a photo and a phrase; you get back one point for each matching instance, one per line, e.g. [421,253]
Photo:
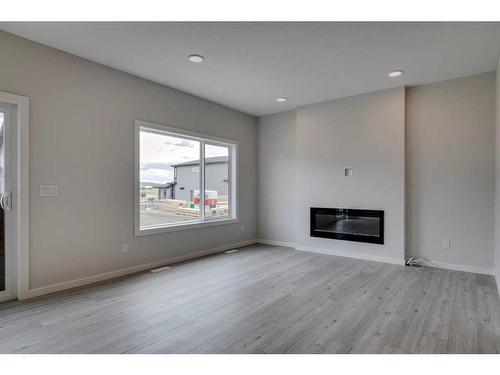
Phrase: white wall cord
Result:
[419,263]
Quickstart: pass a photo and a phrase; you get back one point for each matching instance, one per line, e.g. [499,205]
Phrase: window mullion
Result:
[202,180]
[230,182]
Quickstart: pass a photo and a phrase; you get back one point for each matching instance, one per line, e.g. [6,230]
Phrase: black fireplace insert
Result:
[348,224]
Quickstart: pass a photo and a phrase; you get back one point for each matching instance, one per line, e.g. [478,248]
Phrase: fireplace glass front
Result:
[348,224]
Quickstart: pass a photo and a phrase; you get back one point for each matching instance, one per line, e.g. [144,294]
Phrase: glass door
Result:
[6,256]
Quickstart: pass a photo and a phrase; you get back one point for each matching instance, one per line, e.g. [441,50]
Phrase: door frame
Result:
[20,195]
[9,229]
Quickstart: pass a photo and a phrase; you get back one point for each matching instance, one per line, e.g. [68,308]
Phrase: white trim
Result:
[129,270]
[21,201]
[463,268]
[168,261]
[233,186]
[276,243]
[346,254]
[442,265]
[184,226]
[333,252]
[170,130]
[202,181]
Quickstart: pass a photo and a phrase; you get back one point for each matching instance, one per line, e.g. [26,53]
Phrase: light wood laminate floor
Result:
[264,299]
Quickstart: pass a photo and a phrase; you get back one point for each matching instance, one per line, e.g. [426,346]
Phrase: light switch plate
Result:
[48,190]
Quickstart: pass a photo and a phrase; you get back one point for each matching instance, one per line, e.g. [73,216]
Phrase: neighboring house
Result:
[187,177]
[166,191]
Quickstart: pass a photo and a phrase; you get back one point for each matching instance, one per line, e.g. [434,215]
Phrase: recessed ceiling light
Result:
[196,58]
[281,99]
[396,73]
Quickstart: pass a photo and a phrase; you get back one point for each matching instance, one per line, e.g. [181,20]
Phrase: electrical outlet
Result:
[124,248]
[242,228]
[445,244]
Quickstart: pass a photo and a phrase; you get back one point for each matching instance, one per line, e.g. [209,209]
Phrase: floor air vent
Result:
[160,269]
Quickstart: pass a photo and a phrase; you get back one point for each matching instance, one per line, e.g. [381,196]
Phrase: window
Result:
[183,179]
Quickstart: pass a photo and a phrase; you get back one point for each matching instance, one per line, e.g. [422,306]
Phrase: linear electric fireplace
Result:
[348,224]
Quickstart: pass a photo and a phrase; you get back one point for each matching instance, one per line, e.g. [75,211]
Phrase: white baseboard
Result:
[461,267]
[344,254]
[127,271]
[276,243]
[443,265]
[143,267]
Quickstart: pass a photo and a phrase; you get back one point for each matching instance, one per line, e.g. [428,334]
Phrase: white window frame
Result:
[202,222]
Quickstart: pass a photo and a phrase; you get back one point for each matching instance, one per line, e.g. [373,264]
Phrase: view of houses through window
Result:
[171,179]
[216,181]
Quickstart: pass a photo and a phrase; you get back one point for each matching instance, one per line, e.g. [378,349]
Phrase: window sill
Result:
[185,226]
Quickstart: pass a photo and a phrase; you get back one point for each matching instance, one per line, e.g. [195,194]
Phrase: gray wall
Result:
[365,132]
[82,139]
[277,184]
[450,170]
[301,163]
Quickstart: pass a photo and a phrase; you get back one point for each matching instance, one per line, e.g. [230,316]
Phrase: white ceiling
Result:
[248,65]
